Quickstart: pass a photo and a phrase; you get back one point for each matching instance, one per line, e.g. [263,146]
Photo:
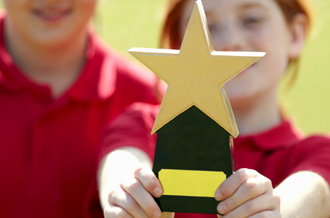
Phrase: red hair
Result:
[170,36]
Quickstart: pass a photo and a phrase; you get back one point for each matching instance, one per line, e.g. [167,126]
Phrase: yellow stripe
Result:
[190,183]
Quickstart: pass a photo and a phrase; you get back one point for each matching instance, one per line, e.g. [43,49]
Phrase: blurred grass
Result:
[130,23]
[136,23]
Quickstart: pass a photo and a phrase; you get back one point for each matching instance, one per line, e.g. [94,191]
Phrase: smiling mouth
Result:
[51,14]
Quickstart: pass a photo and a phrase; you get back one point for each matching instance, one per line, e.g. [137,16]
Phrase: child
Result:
[280,172]
[59,87]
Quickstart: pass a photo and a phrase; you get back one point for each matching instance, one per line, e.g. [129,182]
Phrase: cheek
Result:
[275,62]
[82,13]
[266,73]
[85,10]
[14,2]
[86,7]
[16,6]
[19,14]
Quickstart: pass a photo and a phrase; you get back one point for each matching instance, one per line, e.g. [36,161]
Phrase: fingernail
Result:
[222,209]
[218,196]
[157,214]
[158,192]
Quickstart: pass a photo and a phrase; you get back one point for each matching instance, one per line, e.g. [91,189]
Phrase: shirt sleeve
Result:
[313,154]
[132,128]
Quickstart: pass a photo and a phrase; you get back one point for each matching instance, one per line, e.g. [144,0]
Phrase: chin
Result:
[241,97]
[238,90]
[52,39]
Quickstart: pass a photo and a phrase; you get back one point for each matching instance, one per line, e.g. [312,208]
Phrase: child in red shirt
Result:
[280,172]
[59,87]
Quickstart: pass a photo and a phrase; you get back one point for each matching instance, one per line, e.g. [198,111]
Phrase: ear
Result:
[298,29]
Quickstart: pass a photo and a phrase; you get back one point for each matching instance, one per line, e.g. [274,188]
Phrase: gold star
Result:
[196,74]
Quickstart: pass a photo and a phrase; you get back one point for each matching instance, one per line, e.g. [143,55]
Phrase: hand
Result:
[247,193]
[132,197]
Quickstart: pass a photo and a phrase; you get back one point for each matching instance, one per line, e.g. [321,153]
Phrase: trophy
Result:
[195,123]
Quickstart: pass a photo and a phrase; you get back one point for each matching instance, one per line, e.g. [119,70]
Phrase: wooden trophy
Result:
[195,122]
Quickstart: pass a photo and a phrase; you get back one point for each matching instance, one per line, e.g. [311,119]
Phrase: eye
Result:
[252,21]
[212,27]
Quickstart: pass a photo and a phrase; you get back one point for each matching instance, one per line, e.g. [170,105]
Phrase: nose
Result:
[228,37]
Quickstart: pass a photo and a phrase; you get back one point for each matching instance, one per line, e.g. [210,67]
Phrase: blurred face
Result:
[250,25]
[48,22]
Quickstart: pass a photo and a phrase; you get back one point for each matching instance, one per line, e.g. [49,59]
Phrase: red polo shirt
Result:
[276,153]
[49,146]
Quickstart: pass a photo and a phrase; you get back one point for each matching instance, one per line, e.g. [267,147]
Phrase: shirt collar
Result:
[282,135]
[96,81]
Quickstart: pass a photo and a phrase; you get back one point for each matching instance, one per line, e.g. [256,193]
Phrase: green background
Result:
[136,23]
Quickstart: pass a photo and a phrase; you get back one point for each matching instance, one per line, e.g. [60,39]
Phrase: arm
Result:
[127,184]
[304,194]
[116,166]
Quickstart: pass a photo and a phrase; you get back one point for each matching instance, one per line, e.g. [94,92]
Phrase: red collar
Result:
[282,135]
[97,80]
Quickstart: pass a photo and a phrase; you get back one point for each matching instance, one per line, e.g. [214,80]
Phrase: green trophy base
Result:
[192,141]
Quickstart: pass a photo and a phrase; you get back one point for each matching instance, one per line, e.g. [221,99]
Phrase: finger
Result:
[134,187]
[270,214]
[122,199]
[112,211]
[265,202]
[149,181]
[230,185]
[250,189]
